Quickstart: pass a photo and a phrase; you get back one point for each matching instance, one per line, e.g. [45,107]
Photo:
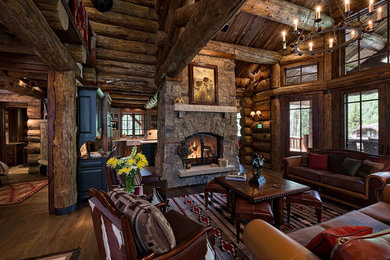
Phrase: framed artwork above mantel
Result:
[203,81]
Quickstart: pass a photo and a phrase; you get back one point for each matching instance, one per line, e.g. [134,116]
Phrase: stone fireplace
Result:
[210,132]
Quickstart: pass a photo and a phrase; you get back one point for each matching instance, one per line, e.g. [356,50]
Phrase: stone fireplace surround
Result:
[179,121]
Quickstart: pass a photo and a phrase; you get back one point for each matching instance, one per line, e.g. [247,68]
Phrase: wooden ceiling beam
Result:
[18,86]
[10,43]
[25,20]
[207,19]
[285,12]
[27,75]
[55,13]
[242,53]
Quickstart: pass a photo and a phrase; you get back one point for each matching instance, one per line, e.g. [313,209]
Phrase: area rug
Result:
[65,255]
[16,193]
[218,217]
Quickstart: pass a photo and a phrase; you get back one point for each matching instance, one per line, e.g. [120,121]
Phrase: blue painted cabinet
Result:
[90,171]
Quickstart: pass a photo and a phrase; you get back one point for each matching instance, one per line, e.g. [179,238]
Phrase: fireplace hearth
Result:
[204,148]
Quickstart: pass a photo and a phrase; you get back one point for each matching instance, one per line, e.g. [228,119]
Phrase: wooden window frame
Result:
[320,76]
[132,115]
[301,66]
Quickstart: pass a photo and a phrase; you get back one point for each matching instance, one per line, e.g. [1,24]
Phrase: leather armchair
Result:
[268,243]
[115,237]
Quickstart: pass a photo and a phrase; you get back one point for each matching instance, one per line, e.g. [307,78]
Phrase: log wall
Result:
[255,94]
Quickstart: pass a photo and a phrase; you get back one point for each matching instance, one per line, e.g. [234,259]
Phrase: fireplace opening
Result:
[204,148]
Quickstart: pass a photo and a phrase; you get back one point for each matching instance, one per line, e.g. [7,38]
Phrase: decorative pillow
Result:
[305,159]
[350,166]
[151,230]
[318,161]
[323,243]
[369,167]
[335,162]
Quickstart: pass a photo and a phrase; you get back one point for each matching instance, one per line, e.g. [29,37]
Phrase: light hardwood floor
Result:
[27,229]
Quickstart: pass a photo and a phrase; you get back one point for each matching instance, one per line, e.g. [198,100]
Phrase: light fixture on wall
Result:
[354,30]
[256,115]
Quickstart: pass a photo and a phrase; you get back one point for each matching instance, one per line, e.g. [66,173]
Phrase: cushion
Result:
[151,230]
[376,246]
[305,160]
[343,181]
[308,173]
[304,235]
[369,167]
[379,211]
[355,218]
[350,166]
[323,243]
[335,162]
[318,161]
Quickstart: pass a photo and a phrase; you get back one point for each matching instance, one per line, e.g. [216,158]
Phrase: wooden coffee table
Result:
[274,189]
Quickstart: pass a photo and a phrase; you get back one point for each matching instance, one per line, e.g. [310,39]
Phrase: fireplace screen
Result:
[204,149]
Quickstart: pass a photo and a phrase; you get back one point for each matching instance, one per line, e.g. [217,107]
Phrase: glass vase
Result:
[130,183]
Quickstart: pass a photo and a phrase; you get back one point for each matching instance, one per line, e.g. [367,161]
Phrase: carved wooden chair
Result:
[115,238]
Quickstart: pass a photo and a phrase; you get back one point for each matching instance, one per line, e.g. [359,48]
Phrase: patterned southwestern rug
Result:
[16,193]
[218,217]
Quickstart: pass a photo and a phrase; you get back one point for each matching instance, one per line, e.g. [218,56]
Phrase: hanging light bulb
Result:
[318,13]
[371,6]
[379,14]
[310,46]
[331,43]
[352,34]
[295,24]
[284,36]
[370,24]
[347,6]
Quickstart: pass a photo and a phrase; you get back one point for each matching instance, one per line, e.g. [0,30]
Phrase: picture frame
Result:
[203,83]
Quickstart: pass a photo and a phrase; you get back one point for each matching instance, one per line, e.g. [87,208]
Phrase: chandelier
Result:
[354,30]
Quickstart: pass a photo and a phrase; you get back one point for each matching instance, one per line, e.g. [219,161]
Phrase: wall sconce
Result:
[256,115]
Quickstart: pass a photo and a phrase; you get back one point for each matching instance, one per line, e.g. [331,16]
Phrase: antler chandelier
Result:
[354,30]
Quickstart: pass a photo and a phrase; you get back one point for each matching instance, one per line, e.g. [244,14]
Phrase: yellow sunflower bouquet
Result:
[129,167]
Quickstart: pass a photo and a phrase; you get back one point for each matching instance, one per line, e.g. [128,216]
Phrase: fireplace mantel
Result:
[205,108]
[203,170]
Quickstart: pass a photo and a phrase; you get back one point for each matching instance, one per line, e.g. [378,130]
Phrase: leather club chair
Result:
[191,237]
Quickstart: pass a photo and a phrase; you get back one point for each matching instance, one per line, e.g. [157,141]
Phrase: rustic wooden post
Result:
[62,135]
[276,138]
[327,139]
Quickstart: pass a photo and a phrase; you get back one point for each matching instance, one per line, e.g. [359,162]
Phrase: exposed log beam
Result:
[373,42]
[292,58]
[25,20]
[285,12]
[121,32]
[131,9]
[55,13]
[126,46]
[18,86]
[208,18]
[78,52]
[129,97]
[107,54]
[122,20]
[27,75]
[244,53]
[89,75]
[128,87]
[10,43]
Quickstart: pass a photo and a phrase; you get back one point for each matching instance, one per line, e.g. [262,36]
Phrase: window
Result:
[238,125]
[301,134]
[301,74]
[133,124]
[362,121]
[371,51]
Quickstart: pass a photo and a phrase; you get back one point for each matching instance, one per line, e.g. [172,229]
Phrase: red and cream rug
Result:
[16,193]
[218,217]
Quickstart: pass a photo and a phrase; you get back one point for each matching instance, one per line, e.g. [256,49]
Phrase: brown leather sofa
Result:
[266,242]
[340,187]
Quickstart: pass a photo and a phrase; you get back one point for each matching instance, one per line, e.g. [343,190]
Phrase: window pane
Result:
[351,67]
[238,125]
[309,77]
[306,136]
[353,126]
[353,97]
[306,104]
[295,105]
[309,69]
[370,126]
[295,131]
[370,94]
[293,72]
[293,80]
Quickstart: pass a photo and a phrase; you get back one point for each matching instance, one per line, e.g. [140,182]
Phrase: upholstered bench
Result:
[307,198]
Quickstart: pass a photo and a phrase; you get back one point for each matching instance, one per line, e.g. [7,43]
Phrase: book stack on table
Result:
[234,176]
